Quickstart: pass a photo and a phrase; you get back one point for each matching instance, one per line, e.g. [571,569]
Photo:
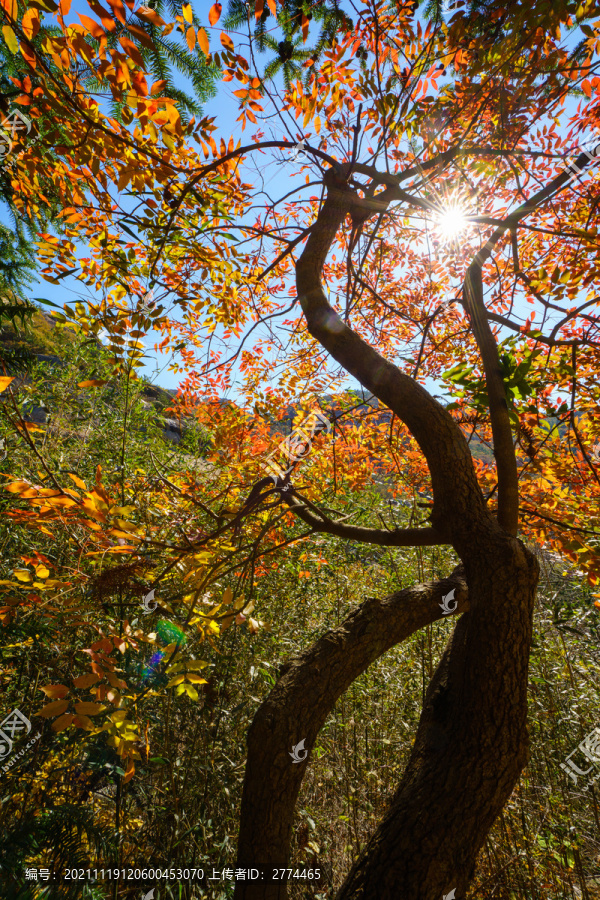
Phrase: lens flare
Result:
[451,220]
[171,633]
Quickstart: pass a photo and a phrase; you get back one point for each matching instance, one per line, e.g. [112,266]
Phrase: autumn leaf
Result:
[203,41]
[56,691]
[214,13]
[63,722]
[77,480]
[85,681]
[89,708]
[53,709]
[5,380]
[190,37]
[23,575]
[305,24]
[30,23]
[93,382]
[186,9]
[227,42]
[13,46]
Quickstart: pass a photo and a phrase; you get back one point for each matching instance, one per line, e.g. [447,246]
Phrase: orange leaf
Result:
[56,691]
[227,42]
[272,7]
[104,16]
[94,382]
[85,681]
[129,772]
[53,709]
[83,722]
[146,13]
[78,481]
[304,28]
[63,722]
[4,382]
[259,5]
[94,29]
[89,709]
[203,41]
[64,6]
[31,23]
[190,37]
[214,13]
[132,51]
[118,9]
[586,87]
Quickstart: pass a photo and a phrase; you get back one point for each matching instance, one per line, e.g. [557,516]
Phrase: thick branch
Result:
[459,508]
[504,450]
[399,537]
[298,706]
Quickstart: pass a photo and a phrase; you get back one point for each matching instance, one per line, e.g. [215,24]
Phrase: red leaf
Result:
[259,5]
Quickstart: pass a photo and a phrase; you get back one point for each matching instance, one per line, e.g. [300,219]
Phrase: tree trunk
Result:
[298,706]
[471,744]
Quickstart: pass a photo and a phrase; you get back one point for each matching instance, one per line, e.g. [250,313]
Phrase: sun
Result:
[451,220]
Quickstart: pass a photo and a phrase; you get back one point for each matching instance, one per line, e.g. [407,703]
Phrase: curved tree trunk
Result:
[298,706]
[471,744]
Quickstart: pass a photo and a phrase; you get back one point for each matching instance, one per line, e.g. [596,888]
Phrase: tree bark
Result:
[471,744]
[298,706]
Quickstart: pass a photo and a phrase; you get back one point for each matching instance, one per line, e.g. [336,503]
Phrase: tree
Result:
[410,130]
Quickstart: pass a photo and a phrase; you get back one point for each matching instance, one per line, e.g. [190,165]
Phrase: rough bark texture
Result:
[298,706]
[471,744]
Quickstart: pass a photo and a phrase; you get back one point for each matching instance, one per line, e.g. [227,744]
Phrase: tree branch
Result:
[298,706]
[400,537]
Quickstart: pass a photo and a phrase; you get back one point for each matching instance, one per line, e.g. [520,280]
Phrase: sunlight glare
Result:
[451,221]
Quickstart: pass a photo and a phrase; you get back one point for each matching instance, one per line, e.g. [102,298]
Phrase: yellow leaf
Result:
[56,691]
[195,679]
[176,680]
[80,484]
[187,12]
[11,41]
[23,575]
[4,380]
[53,709]
[227,596]
[42,571]
[93,382]
[191,692]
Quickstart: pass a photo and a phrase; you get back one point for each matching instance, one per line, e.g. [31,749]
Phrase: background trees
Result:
[428,234]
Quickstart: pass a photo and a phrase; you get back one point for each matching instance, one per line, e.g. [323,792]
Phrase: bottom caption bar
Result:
[263,874]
